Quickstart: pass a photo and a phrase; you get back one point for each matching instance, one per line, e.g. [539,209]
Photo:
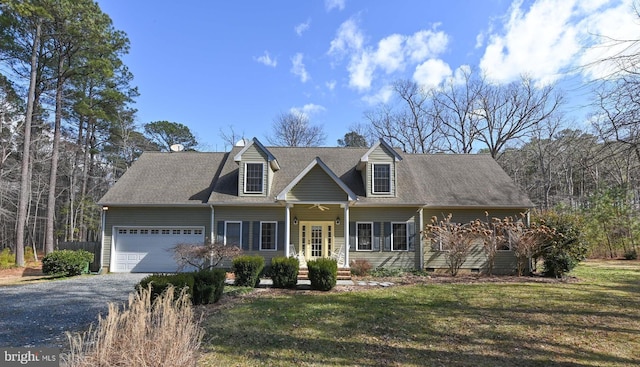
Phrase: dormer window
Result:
[381,178]
[253,178]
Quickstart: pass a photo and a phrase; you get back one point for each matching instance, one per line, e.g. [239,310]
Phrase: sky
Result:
[213,65]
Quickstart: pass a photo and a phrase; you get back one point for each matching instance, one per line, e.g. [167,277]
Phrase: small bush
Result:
[163,333]
[631,254]
[247,270]
[208,286]
[564,249]
[284,272]
[386,273]
[7,258]
[360,267]
[323,274]
[158,283]
[66,262]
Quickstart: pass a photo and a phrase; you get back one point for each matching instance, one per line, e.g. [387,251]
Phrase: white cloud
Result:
[308,109]
[298,67]
[382,96]
[431,73]
[555,37]
[302,27]
[266,60]
[334,4]
[331,85]
[392,54]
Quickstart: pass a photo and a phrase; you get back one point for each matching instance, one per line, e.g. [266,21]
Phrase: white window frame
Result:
[373,179]
[246,164]
[406,226]
[275,238]
[358,237]
[225,231]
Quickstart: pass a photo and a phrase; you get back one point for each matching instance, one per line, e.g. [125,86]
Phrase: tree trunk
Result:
[24,183]
[51,202]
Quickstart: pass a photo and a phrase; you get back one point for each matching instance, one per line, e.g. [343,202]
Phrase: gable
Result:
[316,185]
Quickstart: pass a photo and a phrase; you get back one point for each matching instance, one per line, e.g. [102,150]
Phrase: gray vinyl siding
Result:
[254,155]
[381,155]
[129,216]
[381,257]
[505,261]
[316,185]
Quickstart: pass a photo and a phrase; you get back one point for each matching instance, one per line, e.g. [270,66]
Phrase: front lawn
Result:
[594,321]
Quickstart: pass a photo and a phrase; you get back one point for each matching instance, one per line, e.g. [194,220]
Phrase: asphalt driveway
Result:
[38,315]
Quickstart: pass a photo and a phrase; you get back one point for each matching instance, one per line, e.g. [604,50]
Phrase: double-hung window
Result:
[268,236]
[381,178]
[253,178]
[364,239]
[233,233]
[399,237]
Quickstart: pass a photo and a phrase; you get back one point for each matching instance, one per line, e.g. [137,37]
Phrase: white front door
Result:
[316,239]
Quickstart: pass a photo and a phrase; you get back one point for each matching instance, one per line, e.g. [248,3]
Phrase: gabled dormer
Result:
[256,169]
[379,170]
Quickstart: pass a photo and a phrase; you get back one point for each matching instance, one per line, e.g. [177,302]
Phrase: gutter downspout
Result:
[419,238]
[211,231]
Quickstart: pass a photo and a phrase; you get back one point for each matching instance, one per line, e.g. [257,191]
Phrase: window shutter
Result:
[387,236]
[352,236]
[245,235]
[280,230]
[376,236]
[220,232]
[256,236]
[411,230]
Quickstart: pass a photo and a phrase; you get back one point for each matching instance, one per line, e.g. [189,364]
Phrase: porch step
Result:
[343,274]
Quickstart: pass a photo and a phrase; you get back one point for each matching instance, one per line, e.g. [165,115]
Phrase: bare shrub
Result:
[525,241]
[455,239]
[143,334]
[203,256]
[360,267]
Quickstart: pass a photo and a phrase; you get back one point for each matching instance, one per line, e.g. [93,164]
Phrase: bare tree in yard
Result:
[525,241]
[293,129]
[230,137]
[508,113]
[413,126]
[203,256]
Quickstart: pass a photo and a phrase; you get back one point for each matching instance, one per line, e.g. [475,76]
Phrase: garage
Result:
[148,249]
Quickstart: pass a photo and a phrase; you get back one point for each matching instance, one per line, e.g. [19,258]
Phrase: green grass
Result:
[592,322]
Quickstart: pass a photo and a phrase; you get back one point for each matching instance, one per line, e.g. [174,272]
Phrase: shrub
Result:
[208,286]
[158,283]
[247,270]
[360,267]
[323,273]
[66,262]
[631,254]
[7,258]
[164,333]
[381,272]
[284,272]
[564,248]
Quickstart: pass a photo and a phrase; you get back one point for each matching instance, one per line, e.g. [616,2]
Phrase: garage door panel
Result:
[148,250]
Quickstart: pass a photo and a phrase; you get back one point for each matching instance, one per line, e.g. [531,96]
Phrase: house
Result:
[345,203]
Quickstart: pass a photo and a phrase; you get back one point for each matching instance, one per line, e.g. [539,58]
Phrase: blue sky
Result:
[215,64]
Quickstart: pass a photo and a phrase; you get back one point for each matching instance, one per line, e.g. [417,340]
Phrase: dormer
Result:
[378,169]
[256,169]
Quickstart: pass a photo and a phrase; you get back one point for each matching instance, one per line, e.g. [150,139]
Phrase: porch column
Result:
[287,229]
[347,245]
[212,239]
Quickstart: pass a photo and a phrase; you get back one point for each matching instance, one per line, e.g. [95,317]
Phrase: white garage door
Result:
[147,249]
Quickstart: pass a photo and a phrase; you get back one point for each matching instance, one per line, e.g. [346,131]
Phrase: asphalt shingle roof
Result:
[437,180]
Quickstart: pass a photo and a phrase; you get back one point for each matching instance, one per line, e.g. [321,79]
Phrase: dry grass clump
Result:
[162,333]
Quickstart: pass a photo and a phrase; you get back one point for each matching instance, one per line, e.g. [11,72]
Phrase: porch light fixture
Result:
[338,220]
[295,221]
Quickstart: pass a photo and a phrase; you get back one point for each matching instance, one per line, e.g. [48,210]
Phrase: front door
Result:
[316,239]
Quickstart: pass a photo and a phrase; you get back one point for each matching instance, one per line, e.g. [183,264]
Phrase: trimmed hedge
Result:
[323,273]
[284,272]
[208,286]
[160,282]
[247,270]
[66,262]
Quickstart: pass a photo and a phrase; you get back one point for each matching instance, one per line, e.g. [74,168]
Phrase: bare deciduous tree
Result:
[293,129]
[203,256]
